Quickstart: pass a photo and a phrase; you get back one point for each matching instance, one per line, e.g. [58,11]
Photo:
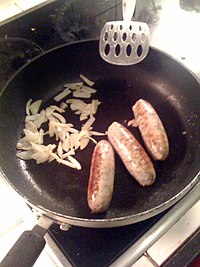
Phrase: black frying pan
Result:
[60,192]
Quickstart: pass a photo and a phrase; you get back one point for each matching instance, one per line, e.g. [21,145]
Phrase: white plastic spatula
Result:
[124,42]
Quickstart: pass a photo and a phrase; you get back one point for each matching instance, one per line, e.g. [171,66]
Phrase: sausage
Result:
[101,180]
[132,154]
[151,129]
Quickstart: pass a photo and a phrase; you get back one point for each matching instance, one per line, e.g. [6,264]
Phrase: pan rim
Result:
[108,222]
[93,40]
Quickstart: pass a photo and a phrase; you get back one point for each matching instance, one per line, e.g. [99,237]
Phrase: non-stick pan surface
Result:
[167,85]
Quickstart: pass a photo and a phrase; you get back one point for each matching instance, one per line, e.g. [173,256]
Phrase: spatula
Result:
[124,42]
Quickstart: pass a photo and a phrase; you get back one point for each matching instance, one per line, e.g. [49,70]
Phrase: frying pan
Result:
[59,192]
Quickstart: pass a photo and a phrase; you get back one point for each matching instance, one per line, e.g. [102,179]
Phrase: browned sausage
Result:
[132,154]
[101,180]
[151,129]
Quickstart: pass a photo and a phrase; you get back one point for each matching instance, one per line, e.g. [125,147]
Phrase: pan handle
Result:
[28,247]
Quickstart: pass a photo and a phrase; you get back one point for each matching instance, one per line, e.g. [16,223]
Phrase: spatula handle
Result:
[128,7]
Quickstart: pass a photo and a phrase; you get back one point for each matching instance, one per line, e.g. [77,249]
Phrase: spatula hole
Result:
[107,49]
[139,50]
[128,50]
[130,27]
[111,26]
[117,50]
[120,27]
[115,35]
[140,28]
[133,37]
[124,36]
[105,36]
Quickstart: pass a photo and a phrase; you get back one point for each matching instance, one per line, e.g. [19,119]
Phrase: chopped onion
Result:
[97,133]
[62,95]
[23,146]
[51,158]
[40,157]
[69,153]
[63,105]
[25,155]
[92,139]
[94,106]
[29,125]
[28,107]
[66,144]
[88,123]
[41,148]
[86,80]
[74,141]
[88,89]
[32,117]
[74,86]
[64,162]
[76,104]
[35,106]
[81,94]
[67,163]
[82,108]
[69,138]
[83,133]
[64,126]
[59,149]
[61,135]
[84,142]
[57,109]
[83,116]
[53,119]
[41,153]
[75,162]
[32,137]
[59,117]
[38,122]
[37,147]
[51,109]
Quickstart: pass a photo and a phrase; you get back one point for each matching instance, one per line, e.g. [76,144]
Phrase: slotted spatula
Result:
[124,42]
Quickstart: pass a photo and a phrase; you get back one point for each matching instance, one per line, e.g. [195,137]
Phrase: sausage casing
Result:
[151,129]
[132,154]
[101,180]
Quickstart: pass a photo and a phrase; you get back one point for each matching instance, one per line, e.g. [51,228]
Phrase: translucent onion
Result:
[86,80]
[35,106]
[69,139]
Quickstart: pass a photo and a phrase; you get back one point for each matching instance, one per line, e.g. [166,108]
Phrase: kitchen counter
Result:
[10,8]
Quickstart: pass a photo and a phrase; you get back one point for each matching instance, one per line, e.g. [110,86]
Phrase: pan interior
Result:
[169,87]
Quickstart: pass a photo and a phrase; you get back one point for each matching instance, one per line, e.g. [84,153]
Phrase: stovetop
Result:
[58,22]
[98,247]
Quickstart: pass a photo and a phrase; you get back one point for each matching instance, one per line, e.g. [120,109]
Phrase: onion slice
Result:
[86,80]
[28,107]
[88,89]
[67,138]
[81,94]
[62,95]
[35,106]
